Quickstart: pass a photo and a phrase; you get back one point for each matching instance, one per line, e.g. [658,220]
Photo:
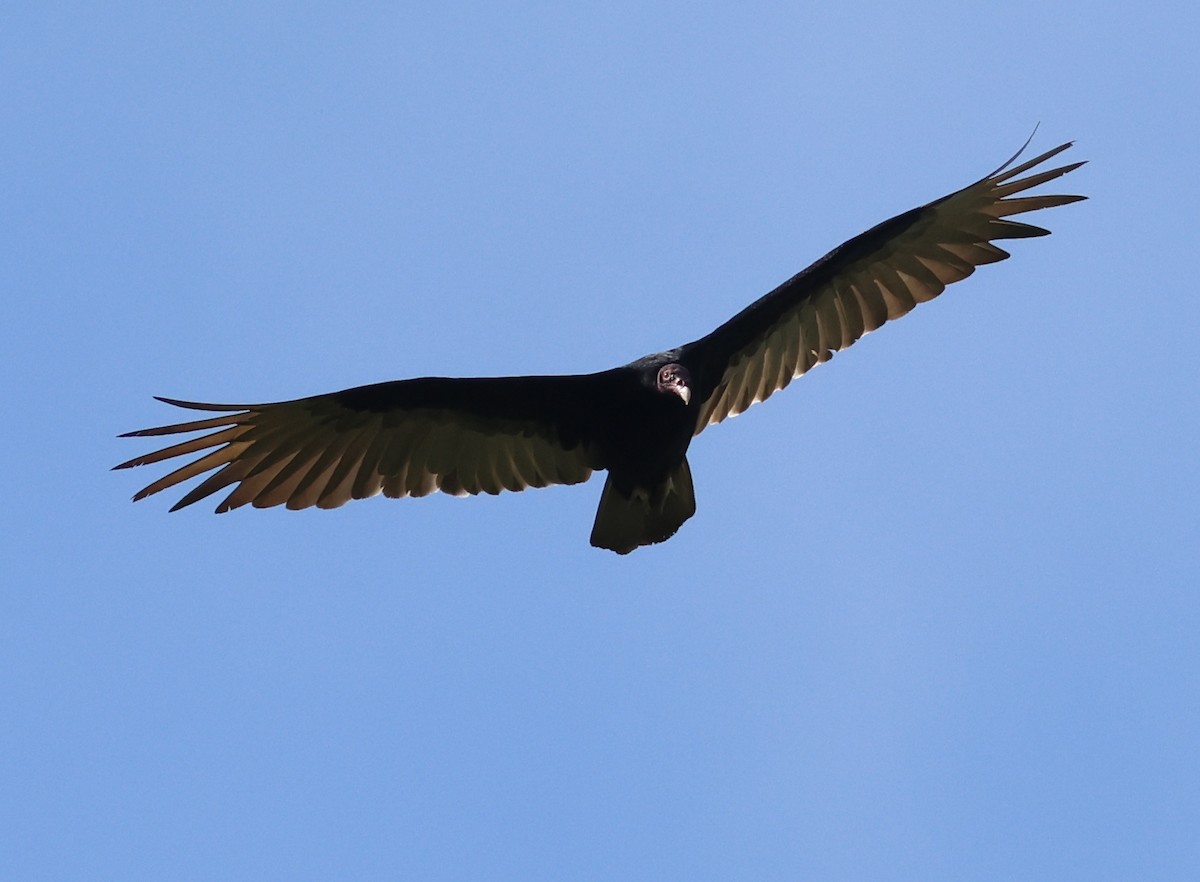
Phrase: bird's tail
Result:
[624,523]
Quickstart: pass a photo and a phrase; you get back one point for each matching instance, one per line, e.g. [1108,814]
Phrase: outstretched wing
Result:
[405,438]
[876,276]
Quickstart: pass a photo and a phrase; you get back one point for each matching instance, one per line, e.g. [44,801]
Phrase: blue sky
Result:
[936,616]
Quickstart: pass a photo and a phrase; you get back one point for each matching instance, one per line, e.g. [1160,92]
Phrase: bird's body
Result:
[485,435]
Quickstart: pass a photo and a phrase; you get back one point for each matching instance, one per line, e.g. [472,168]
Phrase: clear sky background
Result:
[937,615]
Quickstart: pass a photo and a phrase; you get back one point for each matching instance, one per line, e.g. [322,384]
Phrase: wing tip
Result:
[1007,171]
[201,405]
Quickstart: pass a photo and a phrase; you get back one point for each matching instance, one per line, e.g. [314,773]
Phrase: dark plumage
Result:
[484,435]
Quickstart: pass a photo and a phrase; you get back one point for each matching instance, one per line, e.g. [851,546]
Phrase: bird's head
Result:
[676,379]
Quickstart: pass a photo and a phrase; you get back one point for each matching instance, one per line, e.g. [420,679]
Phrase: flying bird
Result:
[485,435]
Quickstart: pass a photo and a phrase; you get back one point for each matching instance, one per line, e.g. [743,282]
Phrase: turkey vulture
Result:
[485,435]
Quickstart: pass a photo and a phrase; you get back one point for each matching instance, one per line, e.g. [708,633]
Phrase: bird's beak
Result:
[683,392]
